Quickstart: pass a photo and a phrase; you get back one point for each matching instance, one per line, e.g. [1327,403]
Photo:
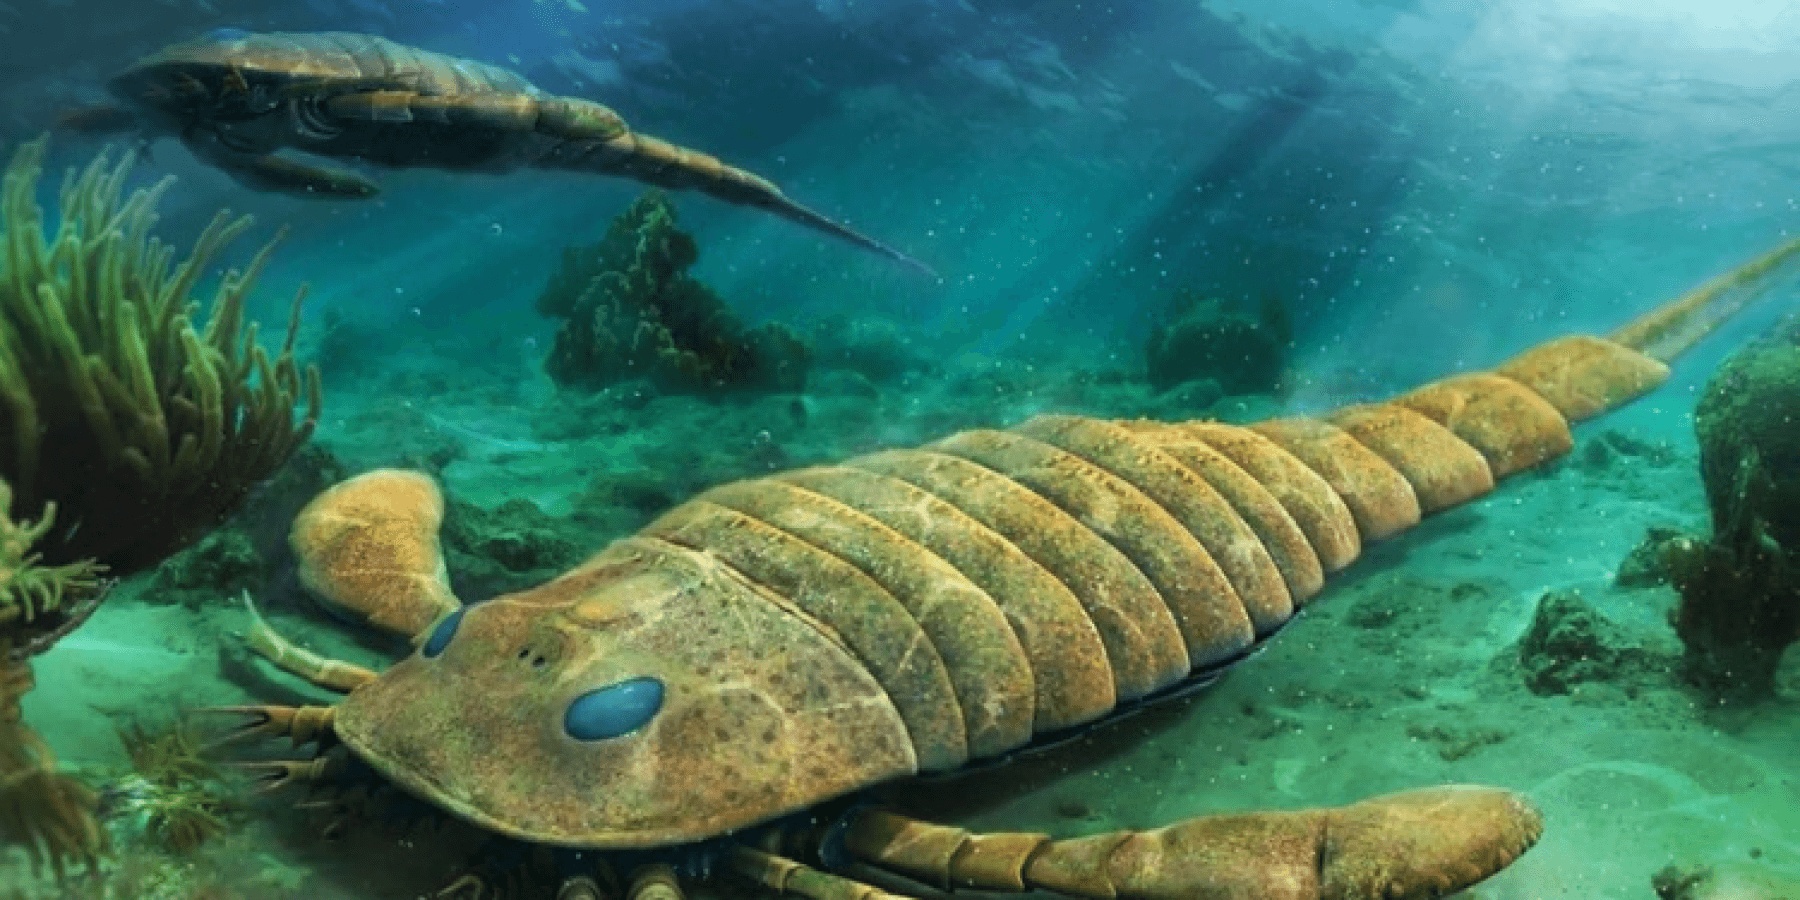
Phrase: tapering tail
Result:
[660,163]
[1381,466]
[1671,329]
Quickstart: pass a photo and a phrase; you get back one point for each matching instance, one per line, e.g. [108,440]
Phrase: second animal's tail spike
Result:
[657,162]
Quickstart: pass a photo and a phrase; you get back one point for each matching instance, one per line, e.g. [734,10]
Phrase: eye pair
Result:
[600,714]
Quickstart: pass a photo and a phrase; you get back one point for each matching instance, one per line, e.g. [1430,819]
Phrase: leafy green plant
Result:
[144,425]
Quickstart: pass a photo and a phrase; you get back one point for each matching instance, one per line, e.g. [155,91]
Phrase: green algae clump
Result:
[630,310]
[144,427]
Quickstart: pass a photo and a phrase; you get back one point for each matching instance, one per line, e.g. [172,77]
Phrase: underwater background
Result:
[1336,199]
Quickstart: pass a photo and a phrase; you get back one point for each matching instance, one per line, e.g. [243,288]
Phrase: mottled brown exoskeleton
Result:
[246,103]
[778,644]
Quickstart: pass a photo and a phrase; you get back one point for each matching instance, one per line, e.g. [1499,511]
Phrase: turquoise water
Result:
[1356,198]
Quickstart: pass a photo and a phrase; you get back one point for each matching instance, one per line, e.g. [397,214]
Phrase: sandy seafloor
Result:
[1399,675]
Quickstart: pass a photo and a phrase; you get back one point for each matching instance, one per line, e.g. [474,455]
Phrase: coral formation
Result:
[1740,591]
[146,428]
[631,311]
[1206,338]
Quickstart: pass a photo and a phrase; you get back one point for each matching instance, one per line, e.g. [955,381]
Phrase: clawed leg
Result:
[653,882]
[785,876]
[1424,843]
[325,672]
[274,775]
[300,724]
[522,883]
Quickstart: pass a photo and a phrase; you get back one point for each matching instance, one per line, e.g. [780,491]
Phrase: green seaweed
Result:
[630,310]
[174,793]
[47,812]
[144,425]
[28,589]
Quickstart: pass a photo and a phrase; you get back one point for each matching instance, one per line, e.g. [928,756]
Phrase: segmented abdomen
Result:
[343,59]
[1004,584]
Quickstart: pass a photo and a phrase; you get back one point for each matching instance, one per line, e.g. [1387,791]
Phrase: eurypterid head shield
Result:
[649,698]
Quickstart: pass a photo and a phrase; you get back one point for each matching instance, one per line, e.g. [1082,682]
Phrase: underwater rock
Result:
[630,310]
[167,423]
[1189,399]
[252,545]
[222,565]
[1207,338]
[1740,592]
[873,348]
[508,548]
[1748,422]
[344,349]
[1647,565]
[1612,447]
[1570,643]
[1731,881]
[269,513]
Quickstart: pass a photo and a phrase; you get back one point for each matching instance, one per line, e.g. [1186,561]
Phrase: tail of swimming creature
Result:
[657,162]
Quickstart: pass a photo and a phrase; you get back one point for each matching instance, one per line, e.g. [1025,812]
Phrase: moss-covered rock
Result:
[1204,337]
[511,547]
[1740,591]
[222,565]
[1570,643]
[1748,421]
[630,310]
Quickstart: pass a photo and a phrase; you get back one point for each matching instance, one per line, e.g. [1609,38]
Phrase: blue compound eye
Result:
[613,711]
[227,34]
[441,635]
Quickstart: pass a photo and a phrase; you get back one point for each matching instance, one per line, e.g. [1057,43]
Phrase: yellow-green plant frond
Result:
[168,755]
[48,813]
[173,792]
[28,589]
[146,424]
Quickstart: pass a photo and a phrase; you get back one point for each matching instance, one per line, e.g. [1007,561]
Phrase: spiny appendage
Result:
[786,876]
[369,548]
[323,671]
[299,724]
[277,774]
[1424,843]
